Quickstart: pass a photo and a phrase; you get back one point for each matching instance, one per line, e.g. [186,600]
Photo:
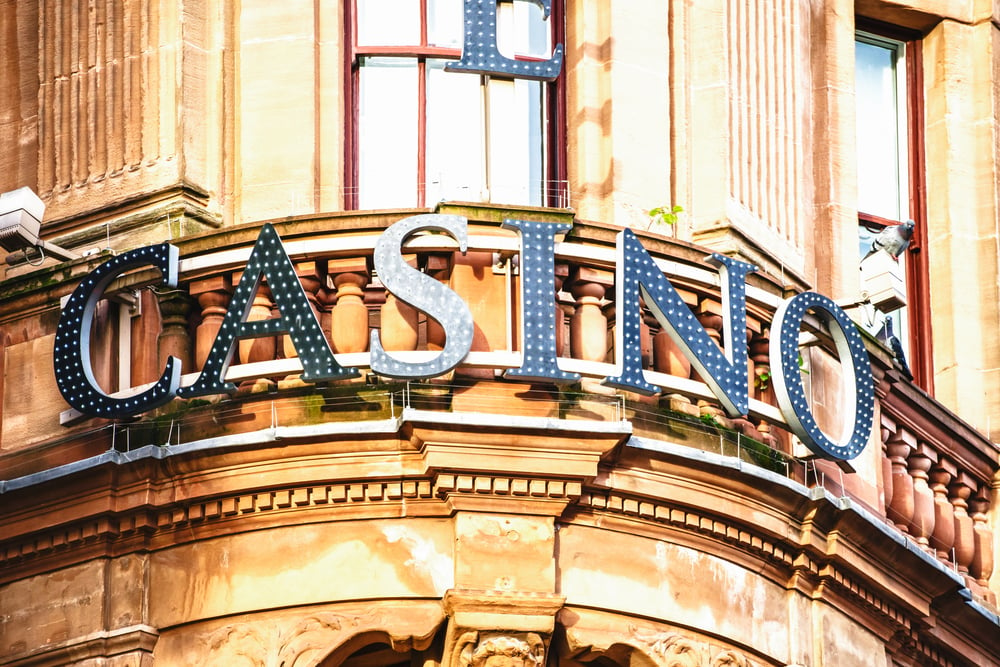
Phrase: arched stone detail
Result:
[590,635]
[294,644]
[306,637]
[672,649]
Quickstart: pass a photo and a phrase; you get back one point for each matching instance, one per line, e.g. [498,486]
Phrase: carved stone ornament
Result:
[271,644]
[500,650]
[676,650]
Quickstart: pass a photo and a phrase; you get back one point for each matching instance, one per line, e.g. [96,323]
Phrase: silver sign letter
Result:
[423,293]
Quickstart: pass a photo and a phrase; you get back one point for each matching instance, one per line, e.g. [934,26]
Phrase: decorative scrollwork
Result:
[270,643]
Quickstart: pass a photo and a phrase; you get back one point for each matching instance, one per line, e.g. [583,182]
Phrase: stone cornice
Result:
[803,539]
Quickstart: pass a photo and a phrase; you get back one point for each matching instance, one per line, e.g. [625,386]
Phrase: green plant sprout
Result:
[665,215]
[763,380]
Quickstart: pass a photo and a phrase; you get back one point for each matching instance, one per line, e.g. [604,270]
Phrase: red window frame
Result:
[556,188]
[917,270]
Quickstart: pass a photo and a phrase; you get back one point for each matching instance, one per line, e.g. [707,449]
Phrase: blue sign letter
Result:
[298,320]
[74,373]
[538,307]
[481,55]
[784,357]
[727,374]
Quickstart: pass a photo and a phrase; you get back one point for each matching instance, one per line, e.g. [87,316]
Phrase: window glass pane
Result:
[882,186]
[516,142]
[388,22]
[444,23]
[455,146]
[522,30]
[387,133]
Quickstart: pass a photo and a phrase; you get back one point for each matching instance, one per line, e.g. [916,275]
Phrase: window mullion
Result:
[484,85]
[422,130]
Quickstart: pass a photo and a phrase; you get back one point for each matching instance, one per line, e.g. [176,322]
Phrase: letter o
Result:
[784,358]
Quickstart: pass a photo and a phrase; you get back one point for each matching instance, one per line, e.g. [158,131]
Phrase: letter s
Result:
[423,293]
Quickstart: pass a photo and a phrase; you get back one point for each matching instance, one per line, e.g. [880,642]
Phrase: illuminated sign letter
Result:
[423,293]
[538,307]
[481,55]
[269,259]
[726,374]
[784,356]
[74,373]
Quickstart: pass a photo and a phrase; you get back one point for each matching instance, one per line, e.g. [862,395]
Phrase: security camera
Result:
[20,219]
[21,214]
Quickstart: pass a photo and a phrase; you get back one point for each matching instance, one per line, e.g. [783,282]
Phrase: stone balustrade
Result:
[939,476]
[938,473]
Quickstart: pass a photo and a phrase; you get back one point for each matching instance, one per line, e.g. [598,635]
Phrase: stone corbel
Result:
[497,629]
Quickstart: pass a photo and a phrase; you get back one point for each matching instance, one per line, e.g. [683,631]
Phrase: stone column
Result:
[887,491]
[962,161]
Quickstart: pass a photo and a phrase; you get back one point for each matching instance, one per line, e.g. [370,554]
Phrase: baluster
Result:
[982,564]
[311,280]
[709,314]
[943,538]
[647,325]
[902,506]
[349,316]
[886,433]
[588,326]
[763,385]
[485,293]
[265,348]
[667,355]
[213,296]
[439,266]
[920,462]
[146,326]
[400,322]
[562,335]
[965,548]
[174,339]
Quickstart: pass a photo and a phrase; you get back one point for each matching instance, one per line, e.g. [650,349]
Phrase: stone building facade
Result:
[475,515]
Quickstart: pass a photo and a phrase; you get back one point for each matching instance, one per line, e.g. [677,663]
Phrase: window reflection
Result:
[423,135]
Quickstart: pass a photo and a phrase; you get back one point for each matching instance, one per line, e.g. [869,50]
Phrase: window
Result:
[889,93]
[422,134]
